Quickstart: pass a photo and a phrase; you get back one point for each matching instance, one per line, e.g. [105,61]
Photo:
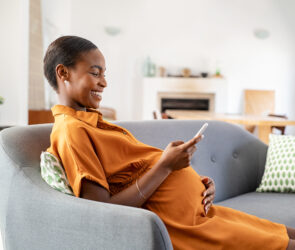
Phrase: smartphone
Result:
[202,130]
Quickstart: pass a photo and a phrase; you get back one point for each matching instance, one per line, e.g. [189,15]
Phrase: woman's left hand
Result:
[209,193]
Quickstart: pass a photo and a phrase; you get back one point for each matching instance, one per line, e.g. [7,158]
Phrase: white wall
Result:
[14,21]
[56,22]
[286,9]
[191,33]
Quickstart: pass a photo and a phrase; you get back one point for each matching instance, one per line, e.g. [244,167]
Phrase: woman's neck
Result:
[65,102]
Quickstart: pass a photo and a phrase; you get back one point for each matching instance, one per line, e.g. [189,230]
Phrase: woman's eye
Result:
[95,74]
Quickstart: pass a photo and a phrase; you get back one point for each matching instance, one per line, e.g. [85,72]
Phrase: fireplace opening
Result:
[186,101]
[185,104]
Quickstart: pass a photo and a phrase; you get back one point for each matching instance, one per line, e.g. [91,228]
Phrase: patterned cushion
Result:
[279,174]
[53,173]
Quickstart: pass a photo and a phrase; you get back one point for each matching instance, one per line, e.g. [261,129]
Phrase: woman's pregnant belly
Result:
[179,197]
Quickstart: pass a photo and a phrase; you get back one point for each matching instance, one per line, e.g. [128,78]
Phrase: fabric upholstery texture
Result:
[272,206]
[32,213]
[279,175]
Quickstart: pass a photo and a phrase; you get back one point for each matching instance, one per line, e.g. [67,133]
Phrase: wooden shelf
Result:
[40,116]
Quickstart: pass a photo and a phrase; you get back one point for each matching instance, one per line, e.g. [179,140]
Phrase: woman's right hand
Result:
[177,154]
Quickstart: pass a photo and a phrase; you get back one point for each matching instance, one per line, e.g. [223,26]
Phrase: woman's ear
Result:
[62,73]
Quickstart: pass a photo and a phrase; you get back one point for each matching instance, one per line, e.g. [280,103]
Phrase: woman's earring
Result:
[66,82]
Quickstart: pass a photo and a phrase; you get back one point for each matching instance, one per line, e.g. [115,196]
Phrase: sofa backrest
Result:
[233,157]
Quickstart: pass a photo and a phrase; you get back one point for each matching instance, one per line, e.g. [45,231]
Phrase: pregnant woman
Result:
[105,162]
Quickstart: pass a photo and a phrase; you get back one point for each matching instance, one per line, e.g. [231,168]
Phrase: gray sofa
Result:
[34,216]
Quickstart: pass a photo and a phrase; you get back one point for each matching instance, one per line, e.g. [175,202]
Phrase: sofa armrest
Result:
[42,218]
[47,219]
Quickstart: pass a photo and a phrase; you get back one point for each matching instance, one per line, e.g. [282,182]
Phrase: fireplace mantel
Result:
[154,86]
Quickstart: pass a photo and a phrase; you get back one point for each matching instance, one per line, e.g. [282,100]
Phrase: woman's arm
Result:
[130,196]
[177,155]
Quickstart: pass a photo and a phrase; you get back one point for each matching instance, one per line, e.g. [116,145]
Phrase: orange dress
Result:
[111,156]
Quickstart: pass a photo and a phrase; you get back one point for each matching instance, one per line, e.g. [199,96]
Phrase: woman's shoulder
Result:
[68,124]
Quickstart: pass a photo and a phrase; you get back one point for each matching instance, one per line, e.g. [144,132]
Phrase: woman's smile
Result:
[96,94]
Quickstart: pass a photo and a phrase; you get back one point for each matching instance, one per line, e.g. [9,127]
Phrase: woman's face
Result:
[86,81]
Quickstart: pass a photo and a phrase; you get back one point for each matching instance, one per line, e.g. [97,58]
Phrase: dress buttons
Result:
[235,155]
[213,158]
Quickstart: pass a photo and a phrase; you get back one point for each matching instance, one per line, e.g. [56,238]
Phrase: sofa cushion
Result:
[279,174]
[276,207]
[53,173]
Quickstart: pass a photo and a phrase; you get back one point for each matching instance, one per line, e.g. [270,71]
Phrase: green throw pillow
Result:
[279,173]
[53,173]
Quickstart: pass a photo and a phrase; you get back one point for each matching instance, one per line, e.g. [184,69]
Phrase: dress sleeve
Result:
[79,159]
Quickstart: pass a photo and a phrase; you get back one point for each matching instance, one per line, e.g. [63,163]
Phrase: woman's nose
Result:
[103,82]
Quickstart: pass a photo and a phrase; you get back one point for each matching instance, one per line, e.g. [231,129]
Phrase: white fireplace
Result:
[207,94]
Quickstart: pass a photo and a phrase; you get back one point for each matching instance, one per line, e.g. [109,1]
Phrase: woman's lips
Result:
[96,94]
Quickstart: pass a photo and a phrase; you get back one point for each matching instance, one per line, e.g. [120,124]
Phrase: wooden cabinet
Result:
[40,116]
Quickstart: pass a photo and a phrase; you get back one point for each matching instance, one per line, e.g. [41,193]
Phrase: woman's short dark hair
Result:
[65,50]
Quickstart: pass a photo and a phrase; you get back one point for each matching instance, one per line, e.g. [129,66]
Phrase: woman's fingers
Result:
[185,146]
[176,143]
[209,193]
[210,189]
[208,199]
[208,202]
[191,150]
[207,207]
[209,184]
[207,180]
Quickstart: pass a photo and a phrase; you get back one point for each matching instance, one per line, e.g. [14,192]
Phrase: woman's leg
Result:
[291,232]
[291,245]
